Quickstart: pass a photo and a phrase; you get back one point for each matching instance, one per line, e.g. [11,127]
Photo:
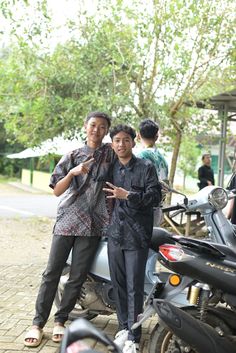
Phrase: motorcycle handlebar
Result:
[174,208]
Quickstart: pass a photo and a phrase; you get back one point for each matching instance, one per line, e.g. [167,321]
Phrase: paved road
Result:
[19,201]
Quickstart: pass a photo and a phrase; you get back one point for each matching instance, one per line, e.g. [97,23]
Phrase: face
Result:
[207,160]
[122,144]
[96,129]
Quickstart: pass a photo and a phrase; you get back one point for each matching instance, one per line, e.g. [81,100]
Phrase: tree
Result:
[188,157]
[133,64]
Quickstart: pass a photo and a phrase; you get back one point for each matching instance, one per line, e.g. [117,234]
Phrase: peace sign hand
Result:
[117,192]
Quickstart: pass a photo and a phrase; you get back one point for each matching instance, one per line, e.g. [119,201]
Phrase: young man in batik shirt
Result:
[82,218]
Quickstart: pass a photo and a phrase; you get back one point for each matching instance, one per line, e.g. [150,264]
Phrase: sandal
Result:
[36,334]
[58,330]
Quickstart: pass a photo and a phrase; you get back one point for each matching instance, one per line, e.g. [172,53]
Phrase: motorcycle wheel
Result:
[161,338]
[78,310]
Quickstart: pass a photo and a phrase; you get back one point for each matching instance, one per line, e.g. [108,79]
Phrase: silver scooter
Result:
[210,202]
[97,292]
[96,297]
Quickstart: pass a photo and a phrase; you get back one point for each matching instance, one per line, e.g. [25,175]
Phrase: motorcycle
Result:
[96,296]
[190,332]
[80,329]
[210,204]
[198,265]
[97,292]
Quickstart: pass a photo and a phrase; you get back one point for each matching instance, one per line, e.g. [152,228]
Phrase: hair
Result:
[148,129]
[205,155]
[99,115]
[124,128]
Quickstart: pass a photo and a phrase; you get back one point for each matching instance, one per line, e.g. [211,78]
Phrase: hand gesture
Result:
[82,168]
[116,192]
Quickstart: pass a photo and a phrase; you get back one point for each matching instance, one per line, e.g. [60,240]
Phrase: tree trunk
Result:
[174,160]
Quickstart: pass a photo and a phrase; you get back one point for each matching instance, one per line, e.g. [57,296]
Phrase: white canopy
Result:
[58,145]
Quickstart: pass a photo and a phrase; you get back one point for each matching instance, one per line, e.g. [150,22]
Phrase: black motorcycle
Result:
[206,272]
[190,332]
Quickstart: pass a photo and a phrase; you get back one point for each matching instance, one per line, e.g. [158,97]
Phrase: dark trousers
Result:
[127,269]
[83,252]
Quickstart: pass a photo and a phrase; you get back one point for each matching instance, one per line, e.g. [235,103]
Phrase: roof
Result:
[218,102]
[58,145]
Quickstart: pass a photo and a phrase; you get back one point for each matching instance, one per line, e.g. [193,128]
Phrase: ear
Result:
[138,136]
[156,137]
[133,144]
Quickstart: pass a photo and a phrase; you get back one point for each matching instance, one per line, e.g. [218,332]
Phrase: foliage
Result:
[7,166]
[133,64]
[188,157]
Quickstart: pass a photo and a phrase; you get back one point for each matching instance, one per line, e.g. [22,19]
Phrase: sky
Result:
[59,10]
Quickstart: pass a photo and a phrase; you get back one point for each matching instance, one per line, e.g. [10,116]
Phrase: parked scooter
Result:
[208,273]
[97,292]
[192,334]
[210,205]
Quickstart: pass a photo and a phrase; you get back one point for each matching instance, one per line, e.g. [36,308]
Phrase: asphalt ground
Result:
[20,277]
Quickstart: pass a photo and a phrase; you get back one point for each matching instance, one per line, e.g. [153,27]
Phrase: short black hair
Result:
[205,155]
[124,128]
[99,115]
[148,129]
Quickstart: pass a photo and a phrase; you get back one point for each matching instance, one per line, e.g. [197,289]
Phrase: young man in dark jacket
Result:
[136,190]
[205,172]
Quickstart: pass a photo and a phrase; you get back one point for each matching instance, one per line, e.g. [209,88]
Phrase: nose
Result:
[121,143]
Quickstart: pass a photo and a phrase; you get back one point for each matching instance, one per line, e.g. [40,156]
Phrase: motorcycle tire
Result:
[78,310]
[161,337]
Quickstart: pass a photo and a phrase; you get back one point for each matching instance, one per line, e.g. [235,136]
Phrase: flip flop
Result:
[34,333]
[58,330]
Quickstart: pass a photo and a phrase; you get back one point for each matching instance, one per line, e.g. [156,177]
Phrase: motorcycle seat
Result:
[230,253]
[160,236]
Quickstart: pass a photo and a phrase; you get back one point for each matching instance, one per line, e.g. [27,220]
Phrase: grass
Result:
[6,179]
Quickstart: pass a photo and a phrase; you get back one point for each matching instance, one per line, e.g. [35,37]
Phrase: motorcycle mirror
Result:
[167,188]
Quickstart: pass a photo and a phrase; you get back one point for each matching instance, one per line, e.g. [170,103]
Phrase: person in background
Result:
[135,189]
[205,172]
[82,217]
[148,135]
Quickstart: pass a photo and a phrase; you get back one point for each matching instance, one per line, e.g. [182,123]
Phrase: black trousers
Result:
[127,269]
[84,250]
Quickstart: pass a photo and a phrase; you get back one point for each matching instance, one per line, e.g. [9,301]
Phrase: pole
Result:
[223,115]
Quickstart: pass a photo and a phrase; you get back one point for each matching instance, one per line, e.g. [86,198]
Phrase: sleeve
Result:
[151,195]
[61,170]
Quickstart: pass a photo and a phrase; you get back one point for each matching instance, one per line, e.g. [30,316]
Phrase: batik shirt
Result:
[152,154]
[83,209]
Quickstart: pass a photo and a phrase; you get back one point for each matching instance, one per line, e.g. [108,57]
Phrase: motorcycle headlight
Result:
[218,198]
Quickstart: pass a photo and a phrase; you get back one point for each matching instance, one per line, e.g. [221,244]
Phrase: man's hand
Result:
[82,168]
[117,192]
